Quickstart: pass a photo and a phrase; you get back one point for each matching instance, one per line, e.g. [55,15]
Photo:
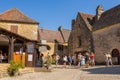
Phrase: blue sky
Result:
[54,13]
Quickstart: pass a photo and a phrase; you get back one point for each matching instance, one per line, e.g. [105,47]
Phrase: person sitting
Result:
[1,57]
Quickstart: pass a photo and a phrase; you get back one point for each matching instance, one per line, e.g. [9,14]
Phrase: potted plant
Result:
[14,67]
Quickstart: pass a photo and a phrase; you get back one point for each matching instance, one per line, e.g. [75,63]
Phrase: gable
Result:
[88,20]
[65,34]
[14,15]
[109,17]
[83,21]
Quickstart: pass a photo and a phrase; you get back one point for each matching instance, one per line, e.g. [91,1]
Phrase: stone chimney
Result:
[59,28]
[99,12]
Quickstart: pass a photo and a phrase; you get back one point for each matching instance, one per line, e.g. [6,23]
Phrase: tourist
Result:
[87,59]
[70,60]
[92,59]
[109,59]
[41,59]
[106,59]
[65,60]
[79,59]
[57,59]
[82,60]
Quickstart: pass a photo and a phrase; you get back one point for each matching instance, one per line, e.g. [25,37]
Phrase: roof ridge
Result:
[48,30]
[110,10]
[15,11]
[85,13]
[8,10]
[66,29]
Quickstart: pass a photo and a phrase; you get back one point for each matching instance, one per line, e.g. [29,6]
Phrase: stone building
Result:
[98,33]
[65,33]
[56,40]
[18,34]
[106,35]
[51,38]
[81,36]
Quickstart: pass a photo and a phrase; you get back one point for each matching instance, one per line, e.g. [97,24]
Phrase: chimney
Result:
[99,12]
[59,28]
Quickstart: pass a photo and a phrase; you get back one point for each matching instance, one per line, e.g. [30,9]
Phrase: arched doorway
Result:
[116,56]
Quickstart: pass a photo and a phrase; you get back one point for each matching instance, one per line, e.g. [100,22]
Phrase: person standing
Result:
[41,59]
[87,59]
[106,59]
[92,59]
[79,60]
[70,60]
[57,59]
[82,60]
[65,60]
[109,59]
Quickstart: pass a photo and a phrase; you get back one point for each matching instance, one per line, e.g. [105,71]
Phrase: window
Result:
[14,28]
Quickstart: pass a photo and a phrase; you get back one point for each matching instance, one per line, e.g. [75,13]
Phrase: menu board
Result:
[30,57]
[30,48]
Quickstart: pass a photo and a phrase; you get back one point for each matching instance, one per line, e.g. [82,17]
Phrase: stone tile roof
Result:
[14,15]
[87,19]
[65,34]
[109,17]
[50,35]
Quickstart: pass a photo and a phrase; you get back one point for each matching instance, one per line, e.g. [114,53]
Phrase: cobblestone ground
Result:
[94,73]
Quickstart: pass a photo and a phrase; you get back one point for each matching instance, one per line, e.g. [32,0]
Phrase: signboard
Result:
[43,41]
[42,48]
[30,48]
[30,57]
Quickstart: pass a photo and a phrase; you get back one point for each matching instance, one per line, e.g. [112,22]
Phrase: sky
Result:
[54,13]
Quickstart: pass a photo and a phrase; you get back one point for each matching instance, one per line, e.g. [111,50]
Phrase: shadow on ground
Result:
[104,70]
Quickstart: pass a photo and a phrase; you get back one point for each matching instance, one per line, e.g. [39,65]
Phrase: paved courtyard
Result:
[95,73]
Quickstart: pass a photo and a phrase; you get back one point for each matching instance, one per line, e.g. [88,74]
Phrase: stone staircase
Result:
[3,70]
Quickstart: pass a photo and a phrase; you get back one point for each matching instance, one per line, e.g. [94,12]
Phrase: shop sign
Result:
[30,57]
[30,48]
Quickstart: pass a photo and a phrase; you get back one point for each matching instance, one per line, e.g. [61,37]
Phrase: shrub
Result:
[14,67]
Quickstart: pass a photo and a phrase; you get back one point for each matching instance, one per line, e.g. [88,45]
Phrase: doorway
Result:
[116,56]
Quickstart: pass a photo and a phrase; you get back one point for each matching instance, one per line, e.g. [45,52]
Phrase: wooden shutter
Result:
[14,28]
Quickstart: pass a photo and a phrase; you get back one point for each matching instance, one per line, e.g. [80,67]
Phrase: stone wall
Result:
[105,40]
[26,30]
[79,29]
